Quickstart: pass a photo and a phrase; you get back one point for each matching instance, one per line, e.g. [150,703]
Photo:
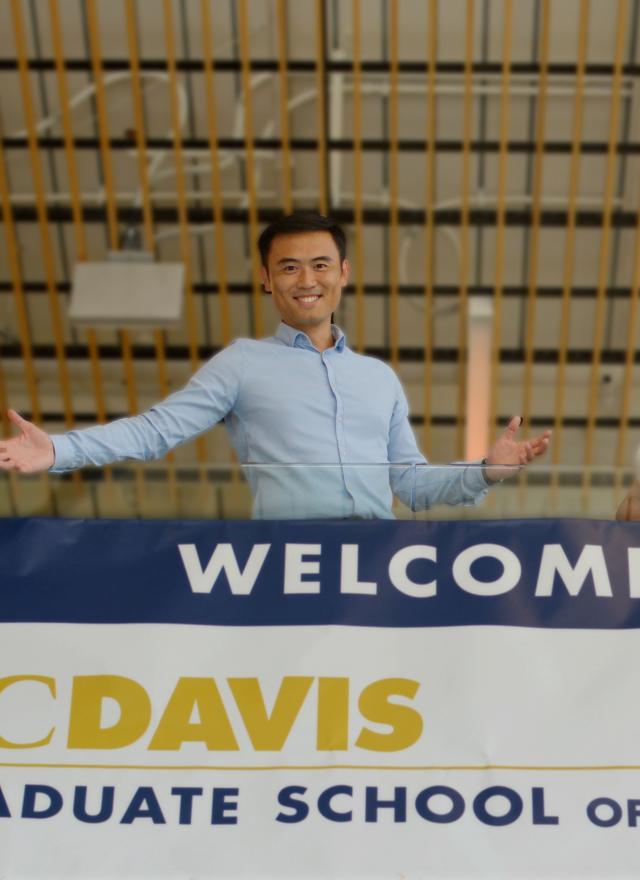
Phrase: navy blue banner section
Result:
[551,573]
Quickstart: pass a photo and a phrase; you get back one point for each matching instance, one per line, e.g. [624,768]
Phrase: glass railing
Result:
[317,491]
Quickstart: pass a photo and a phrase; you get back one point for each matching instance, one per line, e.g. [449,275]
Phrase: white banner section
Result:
[154,750]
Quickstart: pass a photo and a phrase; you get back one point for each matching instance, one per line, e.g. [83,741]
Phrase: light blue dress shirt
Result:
[340,416]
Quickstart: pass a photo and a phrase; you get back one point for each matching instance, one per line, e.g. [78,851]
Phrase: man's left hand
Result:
[513,453]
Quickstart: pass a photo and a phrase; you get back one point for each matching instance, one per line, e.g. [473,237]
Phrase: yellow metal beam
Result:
[429,230]
[243,33]
[216,188]
[500,218]
[285,160]
[48,258]
[604,256]
[467,120]
[569,249]
[321,109]
[357,176]
[393,182]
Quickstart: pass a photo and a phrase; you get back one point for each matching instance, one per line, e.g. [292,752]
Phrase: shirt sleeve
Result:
[423,487]
[206,399]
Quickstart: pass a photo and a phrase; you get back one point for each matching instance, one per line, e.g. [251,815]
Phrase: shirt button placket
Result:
[340,435]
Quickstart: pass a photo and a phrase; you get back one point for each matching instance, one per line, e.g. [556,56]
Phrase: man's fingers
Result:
[513,426]
[17,419]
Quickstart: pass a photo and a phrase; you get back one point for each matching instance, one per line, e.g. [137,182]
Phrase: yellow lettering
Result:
[406,723]
[176,727]
[333,714]
[88,694]
[269,733]
[50,683]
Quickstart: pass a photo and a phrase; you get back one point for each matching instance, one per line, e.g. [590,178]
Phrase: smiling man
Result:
[325,430]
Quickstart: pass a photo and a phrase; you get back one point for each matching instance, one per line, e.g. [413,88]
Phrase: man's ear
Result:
[264,277]
[344,274]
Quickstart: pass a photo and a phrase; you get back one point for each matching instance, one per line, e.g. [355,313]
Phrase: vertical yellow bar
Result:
[287,201]
[6,218]
[147,210]
[243,33]
[500,218]
[464,229]
[536,210]
[93,29]
[569,249]
[76,202]
[393,182]
[216,189]
[603,270]
[429,230]
[629,361]
[18,292]
[323,199]
[41,208]
[534,252]
[357,176]
[183,220]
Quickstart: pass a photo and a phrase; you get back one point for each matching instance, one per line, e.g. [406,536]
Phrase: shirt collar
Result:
[297,339]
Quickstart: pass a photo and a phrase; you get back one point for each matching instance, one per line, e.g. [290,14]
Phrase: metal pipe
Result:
[39,190]
[603,270]
[569,249]
[500,221]
[243,33]
[284,110]
[536,208]
[357,177]
[93,28]
[185,249]
[430,198]
[393,183]
[321,107]
[464,228]
[216,188]
[147,211]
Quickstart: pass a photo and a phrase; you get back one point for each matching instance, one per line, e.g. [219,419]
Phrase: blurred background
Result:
[482,155]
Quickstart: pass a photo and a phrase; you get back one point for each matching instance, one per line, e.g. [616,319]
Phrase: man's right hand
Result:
[29,452]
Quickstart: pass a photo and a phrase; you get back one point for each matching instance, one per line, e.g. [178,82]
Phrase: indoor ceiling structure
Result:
[482,155]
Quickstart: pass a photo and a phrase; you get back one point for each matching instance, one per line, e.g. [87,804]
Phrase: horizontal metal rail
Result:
[407,354]
[197,214]
[266,65]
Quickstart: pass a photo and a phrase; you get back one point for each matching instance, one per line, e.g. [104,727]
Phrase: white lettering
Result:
[349,582]
[511,570]
[223,558]
[554,559]
[398,571]
[295,566]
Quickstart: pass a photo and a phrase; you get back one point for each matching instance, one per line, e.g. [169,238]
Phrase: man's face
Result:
[305,277]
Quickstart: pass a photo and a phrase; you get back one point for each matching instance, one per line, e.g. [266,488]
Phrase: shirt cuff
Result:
[475,479]
[63,454]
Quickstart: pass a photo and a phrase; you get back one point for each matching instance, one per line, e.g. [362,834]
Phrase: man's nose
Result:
[307,277]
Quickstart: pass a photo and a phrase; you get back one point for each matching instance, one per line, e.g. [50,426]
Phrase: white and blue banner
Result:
[319,699]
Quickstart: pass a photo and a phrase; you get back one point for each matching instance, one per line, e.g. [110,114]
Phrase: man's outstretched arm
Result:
[208,396]
[31,451]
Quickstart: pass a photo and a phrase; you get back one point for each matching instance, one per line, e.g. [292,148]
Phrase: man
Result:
[300,397]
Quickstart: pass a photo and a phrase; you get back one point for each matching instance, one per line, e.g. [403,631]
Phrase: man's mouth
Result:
[308,298]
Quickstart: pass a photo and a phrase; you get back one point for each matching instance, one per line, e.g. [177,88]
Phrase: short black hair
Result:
[302,222]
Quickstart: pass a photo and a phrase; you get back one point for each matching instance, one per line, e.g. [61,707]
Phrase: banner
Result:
[319,699]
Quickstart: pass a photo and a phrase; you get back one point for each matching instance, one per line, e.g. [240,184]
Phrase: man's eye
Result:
[289,269]
[321,266]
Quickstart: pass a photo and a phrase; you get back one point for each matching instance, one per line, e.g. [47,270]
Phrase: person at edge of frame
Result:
[299,397]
